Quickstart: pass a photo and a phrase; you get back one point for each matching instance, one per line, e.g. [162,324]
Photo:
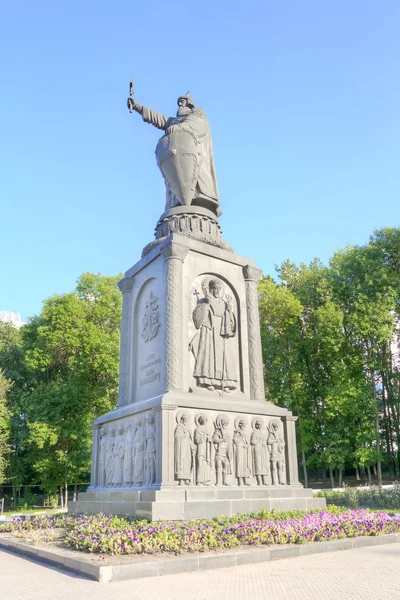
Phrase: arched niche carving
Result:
[214,328]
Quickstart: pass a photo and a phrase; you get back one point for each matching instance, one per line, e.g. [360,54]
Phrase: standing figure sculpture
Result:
[150,451]
[203,450]
[214,318]
[241,452]
[184,450]
[128,439]
[138,452]
[118,465]
[102,456]
[223,450]
[258,442]
[184,155]
[276,445]
[109,461]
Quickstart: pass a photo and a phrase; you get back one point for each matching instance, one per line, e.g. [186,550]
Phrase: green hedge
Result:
[367,497]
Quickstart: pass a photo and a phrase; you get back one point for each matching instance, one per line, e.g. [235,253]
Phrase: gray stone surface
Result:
[358,570]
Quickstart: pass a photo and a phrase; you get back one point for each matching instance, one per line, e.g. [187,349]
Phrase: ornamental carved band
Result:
[174,255]
[125,285]
[251,276]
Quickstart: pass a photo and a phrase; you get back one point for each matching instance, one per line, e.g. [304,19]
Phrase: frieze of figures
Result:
[127,453]
[209,453]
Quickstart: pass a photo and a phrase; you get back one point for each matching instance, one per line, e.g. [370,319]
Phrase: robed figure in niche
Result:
[215,320]
[183,450]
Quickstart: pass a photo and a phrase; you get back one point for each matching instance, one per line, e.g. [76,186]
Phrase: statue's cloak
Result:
[197,124]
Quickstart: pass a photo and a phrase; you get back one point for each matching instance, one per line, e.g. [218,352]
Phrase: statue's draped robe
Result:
[196,123]
[183,452]
[118,461]
[128,456]
[203,454]
[102,460]
[150,454]
[138,449]
[215,361]
[109,462]
[258,442]
[241,457]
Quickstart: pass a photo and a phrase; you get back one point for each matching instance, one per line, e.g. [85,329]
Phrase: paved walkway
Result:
[364,574]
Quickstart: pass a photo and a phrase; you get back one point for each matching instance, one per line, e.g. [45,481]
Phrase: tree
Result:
[72,353]
[5,386]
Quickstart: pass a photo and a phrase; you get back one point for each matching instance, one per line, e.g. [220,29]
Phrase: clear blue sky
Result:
[303,98]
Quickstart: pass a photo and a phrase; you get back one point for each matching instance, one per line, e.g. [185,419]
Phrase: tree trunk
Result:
[357,474]
[66,495]
[324,477]
[378,440]
[14,493]
[75,491]
[369,476]
[61,497]
[332,478]
[305,474]
[374,471]
[340,473]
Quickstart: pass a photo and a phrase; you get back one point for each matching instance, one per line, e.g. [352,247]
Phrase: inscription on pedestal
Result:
[150,371]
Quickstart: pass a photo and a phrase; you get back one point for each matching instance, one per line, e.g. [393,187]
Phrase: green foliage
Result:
[367,497]
[64,364]
[5,386]
[328,335]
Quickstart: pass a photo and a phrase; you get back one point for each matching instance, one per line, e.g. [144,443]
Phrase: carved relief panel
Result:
[213,336]
[148,343]
[127,452]
[220,449]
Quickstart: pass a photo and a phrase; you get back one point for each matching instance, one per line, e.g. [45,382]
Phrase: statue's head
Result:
[185,100]
[215,287]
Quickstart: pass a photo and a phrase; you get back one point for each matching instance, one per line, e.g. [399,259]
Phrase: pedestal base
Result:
[194,502]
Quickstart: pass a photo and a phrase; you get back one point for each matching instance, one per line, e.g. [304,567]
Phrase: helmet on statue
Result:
[189,100]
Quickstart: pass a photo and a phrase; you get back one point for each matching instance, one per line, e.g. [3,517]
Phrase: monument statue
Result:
[184,450]
[258,442]
[214,318]
[276,445]
[184,154]
[223,450]
[202,442]
[190,333]
[241,452]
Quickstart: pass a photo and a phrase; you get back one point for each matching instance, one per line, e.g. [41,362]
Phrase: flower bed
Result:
[116,535]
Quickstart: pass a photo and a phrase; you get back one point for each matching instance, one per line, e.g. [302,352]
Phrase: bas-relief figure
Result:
[203,446]
[184,450]
[215,321]
[128,450]
[223,449]
[118,458]
[276,445]
[109,462]
[258,442]
[241,452]
[138,451]
[150,450]
[184,155]
[102,457]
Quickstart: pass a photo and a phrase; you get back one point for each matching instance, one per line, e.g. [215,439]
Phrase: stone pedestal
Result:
[192,435]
